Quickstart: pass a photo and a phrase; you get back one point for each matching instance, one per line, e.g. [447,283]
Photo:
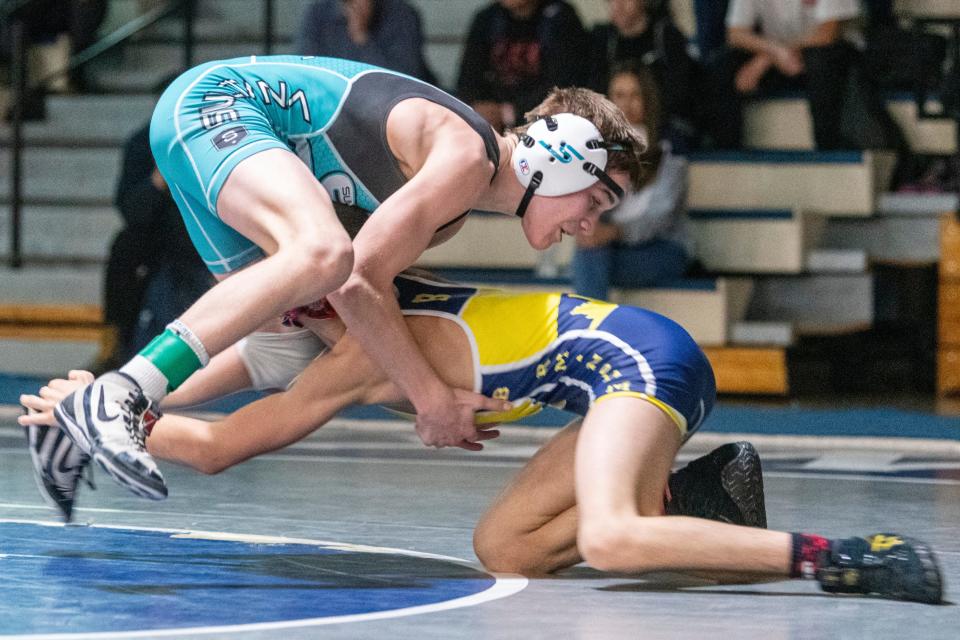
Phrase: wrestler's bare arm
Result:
[449,176]
[342,377]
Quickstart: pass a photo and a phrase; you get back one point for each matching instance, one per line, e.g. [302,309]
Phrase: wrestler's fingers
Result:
[480,402]
[37,419]
[488,434]
[470,446]
[36,403]
[41,414]
[65,386]
[54,394]
[81,376]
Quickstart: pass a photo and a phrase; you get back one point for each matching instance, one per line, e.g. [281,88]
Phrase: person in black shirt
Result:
[516,51]
[643,33]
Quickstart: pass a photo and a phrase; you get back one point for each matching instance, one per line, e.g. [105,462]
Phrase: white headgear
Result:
[561,154]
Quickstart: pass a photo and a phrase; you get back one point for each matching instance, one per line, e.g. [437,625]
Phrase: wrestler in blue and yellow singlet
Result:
[559,349]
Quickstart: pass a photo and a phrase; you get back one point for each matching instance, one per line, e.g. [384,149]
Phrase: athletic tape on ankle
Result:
[173,357]
[192,341]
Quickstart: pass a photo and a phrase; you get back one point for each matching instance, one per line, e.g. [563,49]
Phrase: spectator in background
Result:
[643,241]
[643,31]
[792,44]
[516,51]
[153,272]
[45,21]
[710,16]
[387,33]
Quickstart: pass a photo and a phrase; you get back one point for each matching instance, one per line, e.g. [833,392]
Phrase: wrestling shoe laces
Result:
[725,485]
[119,416]
[883,564]
[135,417]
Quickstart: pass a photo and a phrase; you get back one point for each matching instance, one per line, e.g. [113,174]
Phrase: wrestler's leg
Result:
[272,199]
[531,527]
[623,457]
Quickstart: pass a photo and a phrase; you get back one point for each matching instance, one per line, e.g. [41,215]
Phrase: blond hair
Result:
[608,119]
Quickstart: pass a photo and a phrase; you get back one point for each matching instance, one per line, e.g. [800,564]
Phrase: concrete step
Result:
[761,333]
[88,120]
[814,304]
[217,18]
[492,241]
[785,123]
[145,65]
[63,232]
[52,285]
[837,261]
[917,204]
[928,8]
[47,357]
[905,239]
[835,183]
[65,174]
[128,80]
[228,28]
[754,240]
[706,307]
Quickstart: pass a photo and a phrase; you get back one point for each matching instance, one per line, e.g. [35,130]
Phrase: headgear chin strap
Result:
[562,154]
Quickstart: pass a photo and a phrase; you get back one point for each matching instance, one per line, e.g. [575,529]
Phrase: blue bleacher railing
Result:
[12,11]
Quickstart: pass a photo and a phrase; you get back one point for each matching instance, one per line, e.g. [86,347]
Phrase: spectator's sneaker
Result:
[106,420]
[725,485]
[58,467]
[884,564]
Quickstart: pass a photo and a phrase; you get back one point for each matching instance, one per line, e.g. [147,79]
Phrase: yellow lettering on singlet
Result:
[881,542]
[511,326]
[595,310]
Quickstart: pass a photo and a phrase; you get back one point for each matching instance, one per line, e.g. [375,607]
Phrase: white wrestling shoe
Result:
[105,419]
[58,467]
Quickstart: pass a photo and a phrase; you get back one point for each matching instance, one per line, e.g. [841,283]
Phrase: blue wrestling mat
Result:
[92,579]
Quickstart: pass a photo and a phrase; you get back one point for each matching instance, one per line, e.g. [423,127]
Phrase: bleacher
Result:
[786,233]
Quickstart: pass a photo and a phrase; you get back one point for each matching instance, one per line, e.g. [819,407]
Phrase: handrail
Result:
[19,84]
[121,35]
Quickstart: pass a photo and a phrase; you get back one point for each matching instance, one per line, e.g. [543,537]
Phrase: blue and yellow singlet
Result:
[569,351]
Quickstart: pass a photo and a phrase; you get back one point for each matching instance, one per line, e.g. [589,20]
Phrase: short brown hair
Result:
[607,117]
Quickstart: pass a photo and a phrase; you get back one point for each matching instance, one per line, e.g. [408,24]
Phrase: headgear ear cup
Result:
[561,154]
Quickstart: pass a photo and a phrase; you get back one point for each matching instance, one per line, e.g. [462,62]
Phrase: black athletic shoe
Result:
[58,467]
[725,485]
[884,564]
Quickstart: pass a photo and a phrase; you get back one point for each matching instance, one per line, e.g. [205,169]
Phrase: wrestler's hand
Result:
[49,395]
[448,421]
